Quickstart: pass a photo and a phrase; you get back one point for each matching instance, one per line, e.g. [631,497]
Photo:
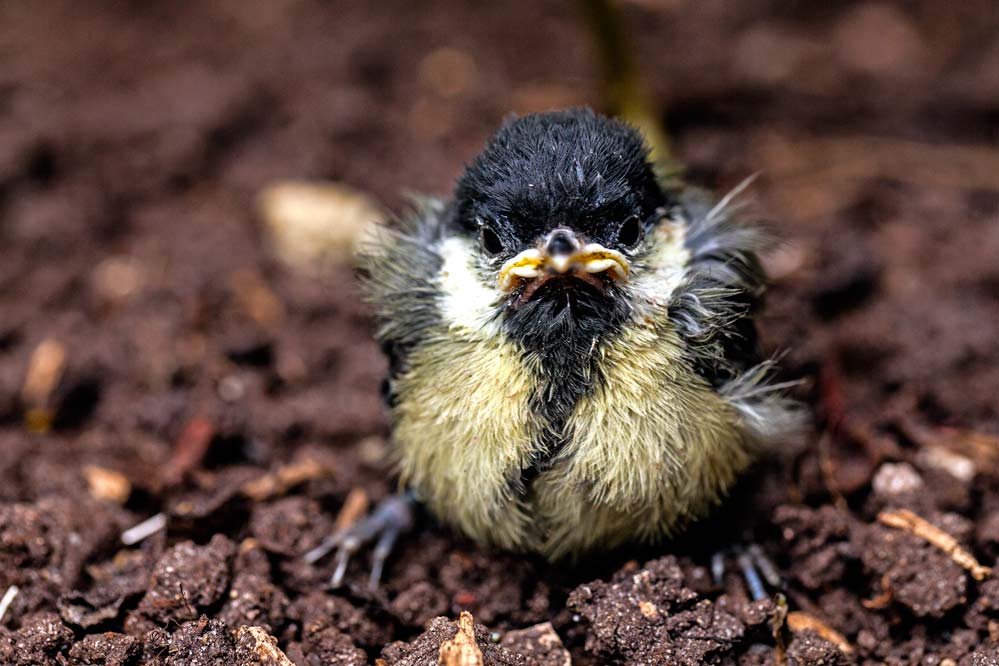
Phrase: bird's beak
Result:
[561,253]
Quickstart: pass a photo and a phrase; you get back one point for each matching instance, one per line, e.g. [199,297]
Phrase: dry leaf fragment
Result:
[462,650]
[906,520]
[107,484]
[798,621]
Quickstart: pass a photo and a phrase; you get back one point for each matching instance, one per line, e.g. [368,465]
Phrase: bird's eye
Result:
[630,232]
[490,240]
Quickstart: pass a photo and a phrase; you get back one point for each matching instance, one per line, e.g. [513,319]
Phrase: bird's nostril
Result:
[561,241]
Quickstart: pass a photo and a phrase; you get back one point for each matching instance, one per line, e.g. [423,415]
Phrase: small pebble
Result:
[958,466]
[893,479]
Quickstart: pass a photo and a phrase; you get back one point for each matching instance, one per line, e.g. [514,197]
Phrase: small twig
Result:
[798,621]
[832,406]
[354,506]
[8,599]
[832,401]
[144,530]
[625,93]
[187,602]
[882,600]
[285,477]
[190,450]
[777,625]
[906,520]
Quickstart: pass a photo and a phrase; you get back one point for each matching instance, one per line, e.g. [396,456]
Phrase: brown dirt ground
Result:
[134,137]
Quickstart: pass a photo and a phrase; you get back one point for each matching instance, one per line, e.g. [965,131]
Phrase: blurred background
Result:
[136,139]
[178,312]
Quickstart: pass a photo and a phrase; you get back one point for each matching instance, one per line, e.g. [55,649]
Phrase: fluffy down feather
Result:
[607,426]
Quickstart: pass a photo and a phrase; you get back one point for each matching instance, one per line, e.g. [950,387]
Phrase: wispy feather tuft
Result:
[398,262]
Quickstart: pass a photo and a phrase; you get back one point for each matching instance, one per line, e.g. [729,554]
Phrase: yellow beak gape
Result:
[590,258]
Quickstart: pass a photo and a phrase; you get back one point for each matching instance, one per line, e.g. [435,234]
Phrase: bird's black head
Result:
[557,208]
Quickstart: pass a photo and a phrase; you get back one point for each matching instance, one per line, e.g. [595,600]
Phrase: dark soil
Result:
[134,137]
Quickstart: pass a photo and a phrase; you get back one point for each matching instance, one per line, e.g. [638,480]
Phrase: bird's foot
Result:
[757,569]
[393,516]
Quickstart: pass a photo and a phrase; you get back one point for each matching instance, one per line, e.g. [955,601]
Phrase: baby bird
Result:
[573,362]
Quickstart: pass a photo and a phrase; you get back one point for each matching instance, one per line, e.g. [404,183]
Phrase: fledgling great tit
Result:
[573,362]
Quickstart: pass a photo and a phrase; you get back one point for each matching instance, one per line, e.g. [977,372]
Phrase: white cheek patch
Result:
[663,269]
[465,301]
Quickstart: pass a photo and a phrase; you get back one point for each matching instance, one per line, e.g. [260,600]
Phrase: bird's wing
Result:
[723,286]
[397,264]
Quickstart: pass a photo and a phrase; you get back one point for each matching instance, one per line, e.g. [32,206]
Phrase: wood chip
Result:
[44,372]
[258,648]
[798,621]
[107,484]
[282,479]
[906,520]
[462,650]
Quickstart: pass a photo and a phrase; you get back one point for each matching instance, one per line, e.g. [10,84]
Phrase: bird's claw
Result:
[757,569]
[393,516]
